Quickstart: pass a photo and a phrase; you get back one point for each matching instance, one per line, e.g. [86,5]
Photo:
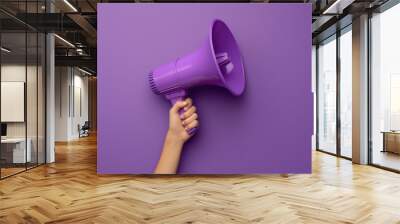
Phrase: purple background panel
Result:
[266,130]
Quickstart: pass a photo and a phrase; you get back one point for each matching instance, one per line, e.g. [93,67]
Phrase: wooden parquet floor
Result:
[70,191]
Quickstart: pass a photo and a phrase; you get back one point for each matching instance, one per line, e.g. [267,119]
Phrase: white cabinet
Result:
[18,149]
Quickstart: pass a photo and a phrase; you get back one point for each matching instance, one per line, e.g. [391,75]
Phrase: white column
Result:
[50,99]
[360,90]
[50,93]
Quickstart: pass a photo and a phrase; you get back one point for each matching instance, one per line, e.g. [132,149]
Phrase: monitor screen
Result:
[3,129]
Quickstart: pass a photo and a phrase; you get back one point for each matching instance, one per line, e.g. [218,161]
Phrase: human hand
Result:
[177,135]
[179,124]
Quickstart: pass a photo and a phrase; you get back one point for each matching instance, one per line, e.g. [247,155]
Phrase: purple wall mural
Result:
[268,129]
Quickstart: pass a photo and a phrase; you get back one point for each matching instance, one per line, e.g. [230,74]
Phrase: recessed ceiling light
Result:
[84,71]
[64,40]
[70,5]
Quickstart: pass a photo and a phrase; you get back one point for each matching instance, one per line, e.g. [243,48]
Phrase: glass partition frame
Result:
[336,150]
[33,65]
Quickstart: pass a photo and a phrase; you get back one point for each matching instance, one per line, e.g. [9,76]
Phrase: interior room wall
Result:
[69,84]
[80,109]
[62,80]
[30,75]
[16,72]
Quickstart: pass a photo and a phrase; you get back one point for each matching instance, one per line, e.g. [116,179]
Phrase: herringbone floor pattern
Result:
[70,191]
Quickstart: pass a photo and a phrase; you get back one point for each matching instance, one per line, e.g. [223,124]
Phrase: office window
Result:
[385,88]
[346,92]
[327,95]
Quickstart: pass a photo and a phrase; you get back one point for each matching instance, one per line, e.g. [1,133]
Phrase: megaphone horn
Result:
[218,62]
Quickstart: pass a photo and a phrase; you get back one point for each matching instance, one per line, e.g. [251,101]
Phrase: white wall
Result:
[12,101]
[33,127]
[16,72]
[71,102]
[81,102]
[62,81]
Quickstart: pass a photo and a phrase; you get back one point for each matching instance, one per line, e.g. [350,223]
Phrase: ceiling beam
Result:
[337,6]
[84,24]
[83,61]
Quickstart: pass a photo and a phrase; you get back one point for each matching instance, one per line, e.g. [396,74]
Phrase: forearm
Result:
[170,156]
[176,136]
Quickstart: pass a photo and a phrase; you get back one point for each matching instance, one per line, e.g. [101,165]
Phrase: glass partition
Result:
[41,97]
[327,95]
[31,100]
[15,152]
[22,101]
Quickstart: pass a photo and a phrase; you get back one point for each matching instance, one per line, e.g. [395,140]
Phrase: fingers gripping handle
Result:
[180,96]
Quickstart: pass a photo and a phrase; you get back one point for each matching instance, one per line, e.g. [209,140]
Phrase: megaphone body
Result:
[218,62]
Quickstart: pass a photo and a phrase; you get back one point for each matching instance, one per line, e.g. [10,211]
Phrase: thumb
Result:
[178,105]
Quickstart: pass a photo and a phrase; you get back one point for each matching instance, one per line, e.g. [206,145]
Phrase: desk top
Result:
[14,140]
[391,132]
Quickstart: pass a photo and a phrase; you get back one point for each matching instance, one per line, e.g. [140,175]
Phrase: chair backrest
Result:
[86,124]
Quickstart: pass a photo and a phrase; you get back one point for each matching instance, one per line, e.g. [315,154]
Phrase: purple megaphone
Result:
[218,62]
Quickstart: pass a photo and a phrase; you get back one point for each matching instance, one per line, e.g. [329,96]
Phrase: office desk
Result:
[391,141]
[13,150]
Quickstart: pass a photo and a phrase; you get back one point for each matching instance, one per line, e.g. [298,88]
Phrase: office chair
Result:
[84,130]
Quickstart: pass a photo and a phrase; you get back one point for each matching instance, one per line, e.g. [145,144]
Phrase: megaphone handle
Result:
[180,96]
